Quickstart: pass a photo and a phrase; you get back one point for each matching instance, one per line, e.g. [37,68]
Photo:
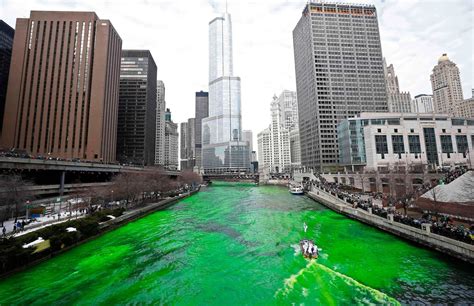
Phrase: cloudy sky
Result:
[414,34]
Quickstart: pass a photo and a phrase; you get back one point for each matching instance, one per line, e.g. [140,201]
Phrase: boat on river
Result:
[309,249]
[296,189]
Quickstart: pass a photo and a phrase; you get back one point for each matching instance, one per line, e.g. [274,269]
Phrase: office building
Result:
[160,124]
[383,141]
[187,145]
[62,97]
[339,74]
[201,112]
[183,128]
[171,142]
[247,136]
[465,108]
[264,150]
[398,102]
[223,149]
[6,45]
[422,104]
[136,131]
[446,85]
[284,121]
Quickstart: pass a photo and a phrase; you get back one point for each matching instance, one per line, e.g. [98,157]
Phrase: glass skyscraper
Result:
[223,149]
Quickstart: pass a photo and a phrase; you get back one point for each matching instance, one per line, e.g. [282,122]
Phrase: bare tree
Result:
[14,194]
[190,178]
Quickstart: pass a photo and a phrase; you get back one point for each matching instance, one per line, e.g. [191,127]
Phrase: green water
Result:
[237,244]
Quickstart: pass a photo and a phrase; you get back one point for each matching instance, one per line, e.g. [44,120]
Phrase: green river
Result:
[237,244]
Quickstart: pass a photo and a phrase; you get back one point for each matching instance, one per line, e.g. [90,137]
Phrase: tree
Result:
[13,194]
[190,178]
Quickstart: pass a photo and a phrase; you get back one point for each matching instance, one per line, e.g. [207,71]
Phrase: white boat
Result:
[296,189]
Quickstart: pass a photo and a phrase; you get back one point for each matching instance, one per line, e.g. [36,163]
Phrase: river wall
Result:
[423,236]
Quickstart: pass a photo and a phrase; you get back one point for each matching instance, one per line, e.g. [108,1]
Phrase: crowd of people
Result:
[449,176]
[441,226]
[23,154]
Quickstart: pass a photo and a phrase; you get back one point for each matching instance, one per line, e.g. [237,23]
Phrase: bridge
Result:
[231,177]
[56,177]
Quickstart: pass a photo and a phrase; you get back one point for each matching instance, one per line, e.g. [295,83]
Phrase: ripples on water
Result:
[238,244]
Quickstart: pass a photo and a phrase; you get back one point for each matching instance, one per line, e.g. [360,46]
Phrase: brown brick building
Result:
[62,96]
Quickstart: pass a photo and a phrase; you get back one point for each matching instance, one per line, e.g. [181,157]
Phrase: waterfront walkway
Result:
[422,235]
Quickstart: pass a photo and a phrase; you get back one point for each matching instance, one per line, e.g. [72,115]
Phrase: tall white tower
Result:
[223,147]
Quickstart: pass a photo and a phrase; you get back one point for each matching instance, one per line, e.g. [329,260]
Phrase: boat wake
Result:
[315,281]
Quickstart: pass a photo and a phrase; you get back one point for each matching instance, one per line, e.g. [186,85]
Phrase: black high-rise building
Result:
[137,108]
[6,45]
[202,111]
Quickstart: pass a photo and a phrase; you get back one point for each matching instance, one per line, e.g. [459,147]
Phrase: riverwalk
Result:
[422,236]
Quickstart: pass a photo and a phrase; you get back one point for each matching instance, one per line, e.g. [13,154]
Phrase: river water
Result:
[238,244]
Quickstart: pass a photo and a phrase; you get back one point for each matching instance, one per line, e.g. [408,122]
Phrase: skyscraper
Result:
[183,154]
[136,129]
[446,84]
[284,120]
[160,124]
[201,112]
[187,145]
[62,96]
[223,149]
[339,73]
[171,142]
[398,102]
[6,45]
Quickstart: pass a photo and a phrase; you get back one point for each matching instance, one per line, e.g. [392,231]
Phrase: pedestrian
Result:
[4,231]
[14,228]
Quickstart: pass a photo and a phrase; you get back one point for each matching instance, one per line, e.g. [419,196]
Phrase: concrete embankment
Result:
[424,237]
[141,212]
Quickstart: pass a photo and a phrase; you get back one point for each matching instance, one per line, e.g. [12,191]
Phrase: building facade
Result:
[183,157]
[446,85]
[264,150]
[201,112]
[422,104]
[63,90]
[398,102]
[160,124]
[284,121]
[223,149]
[136,131]
[465,108]
[382,141]
[6,44]
[339,74]
[187,144]
[171,143]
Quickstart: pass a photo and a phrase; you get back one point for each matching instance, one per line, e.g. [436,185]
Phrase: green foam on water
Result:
[237,244]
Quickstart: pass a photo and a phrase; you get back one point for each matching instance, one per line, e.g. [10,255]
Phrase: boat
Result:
[313,246]
[296,189]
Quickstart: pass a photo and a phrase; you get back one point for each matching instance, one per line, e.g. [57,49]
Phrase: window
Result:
[381,144]
[414,144]
[412,130]
[459,130]
[379,130]
[461,143]
[443,130]
[446,144]
[397,145]
[395,130]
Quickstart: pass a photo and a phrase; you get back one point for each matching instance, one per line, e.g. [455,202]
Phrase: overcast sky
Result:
[414,34]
